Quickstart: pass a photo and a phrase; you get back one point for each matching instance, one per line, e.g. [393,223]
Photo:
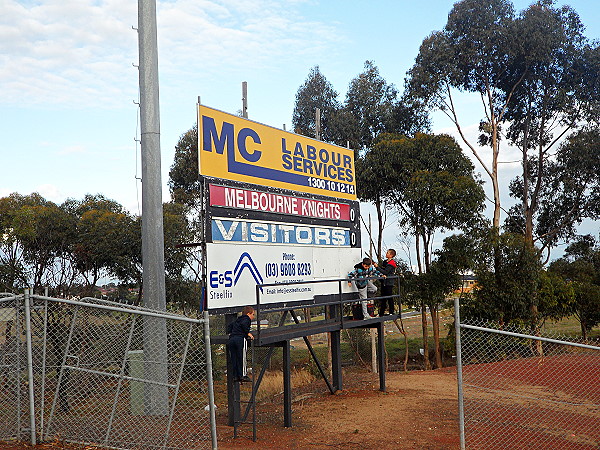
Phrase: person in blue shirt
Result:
[239,335]
[362,271]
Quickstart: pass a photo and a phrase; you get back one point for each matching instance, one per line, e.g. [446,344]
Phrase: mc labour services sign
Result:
[235,148]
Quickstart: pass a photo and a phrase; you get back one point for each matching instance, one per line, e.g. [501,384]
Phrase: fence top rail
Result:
[96,300]
[123,309]
[528,336]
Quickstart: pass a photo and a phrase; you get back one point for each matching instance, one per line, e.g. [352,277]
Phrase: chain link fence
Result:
[97,372]
[523,391]
[11,394]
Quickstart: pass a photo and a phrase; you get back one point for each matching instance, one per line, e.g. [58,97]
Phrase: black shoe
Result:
[245,379]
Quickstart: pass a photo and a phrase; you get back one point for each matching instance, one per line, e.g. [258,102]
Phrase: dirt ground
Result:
[418,411]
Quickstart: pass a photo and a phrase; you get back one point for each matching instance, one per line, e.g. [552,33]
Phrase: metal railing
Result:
[340,299]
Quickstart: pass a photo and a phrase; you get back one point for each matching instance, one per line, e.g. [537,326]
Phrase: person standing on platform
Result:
[362,271]
[388,268]
[239,335]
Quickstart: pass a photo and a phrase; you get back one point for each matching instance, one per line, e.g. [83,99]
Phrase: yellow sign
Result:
[234,148]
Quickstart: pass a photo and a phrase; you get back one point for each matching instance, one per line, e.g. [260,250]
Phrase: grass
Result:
[305,368]
[570,326]
[395,346]
[272,382]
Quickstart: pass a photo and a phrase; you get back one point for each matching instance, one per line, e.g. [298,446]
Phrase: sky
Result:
[69,82]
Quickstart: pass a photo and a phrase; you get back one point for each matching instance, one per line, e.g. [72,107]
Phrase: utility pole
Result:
[318,124]
[156,399]
[245,99]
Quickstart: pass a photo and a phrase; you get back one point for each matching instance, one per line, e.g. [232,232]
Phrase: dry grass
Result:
[272,382]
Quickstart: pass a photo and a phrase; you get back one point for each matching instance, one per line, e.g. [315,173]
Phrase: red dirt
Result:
[417,411]
[533,400]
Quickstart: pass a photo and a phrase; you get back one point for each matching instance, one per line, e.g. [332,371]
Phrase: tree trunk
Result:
[495,153]
[527,211]
[307,320]
[425,336]
[435,322]
[535,330]
[380,225]
[400,327]
[418,251]
[583,329]
[427,236]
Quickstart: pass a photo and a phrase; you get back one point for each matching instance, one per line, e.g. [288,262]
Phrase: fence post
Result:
[461,411]
[209,379]
[43,382]
[30,382]
[17,364]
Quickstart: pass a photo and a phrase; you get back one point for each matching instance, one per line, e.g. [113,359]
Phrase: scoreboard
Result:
[280,208]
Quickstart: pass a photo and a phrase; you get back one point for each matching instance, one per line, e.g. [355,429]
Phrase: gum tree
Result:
[433,186]
[371,107]
[469,55]
[555,97]
[316,92]
[101,241]
[36,233]
[534,74]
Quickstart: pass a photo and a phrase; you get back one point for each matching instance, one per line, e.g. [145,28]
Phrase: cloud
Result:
[198,41]
[72,149]
[50,192]
[65,52]
[77,53]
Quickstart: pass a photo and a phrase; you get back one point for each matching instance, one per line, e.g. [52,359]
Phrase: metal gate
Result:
[103,373]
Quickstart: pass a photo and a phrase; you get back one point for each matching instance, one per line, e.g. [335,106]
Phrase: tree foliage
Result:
[184,183]
[580,269]
[316,92]
[533,74]
[568,192]
[69,248]
[35,233]
[505,292]
[100,241]
[433,185]
[370,101]
[371,107]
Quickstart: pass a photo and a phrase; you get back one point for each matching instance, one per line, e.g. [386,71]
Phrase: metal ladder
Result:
[250,404]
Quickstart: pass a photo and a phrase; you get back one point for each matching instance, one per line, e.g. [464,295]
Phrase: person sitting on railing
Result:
[362,271]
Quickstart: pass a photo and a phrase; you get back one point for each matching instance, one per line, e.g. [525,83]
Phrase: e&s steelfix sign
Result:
[234,148]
